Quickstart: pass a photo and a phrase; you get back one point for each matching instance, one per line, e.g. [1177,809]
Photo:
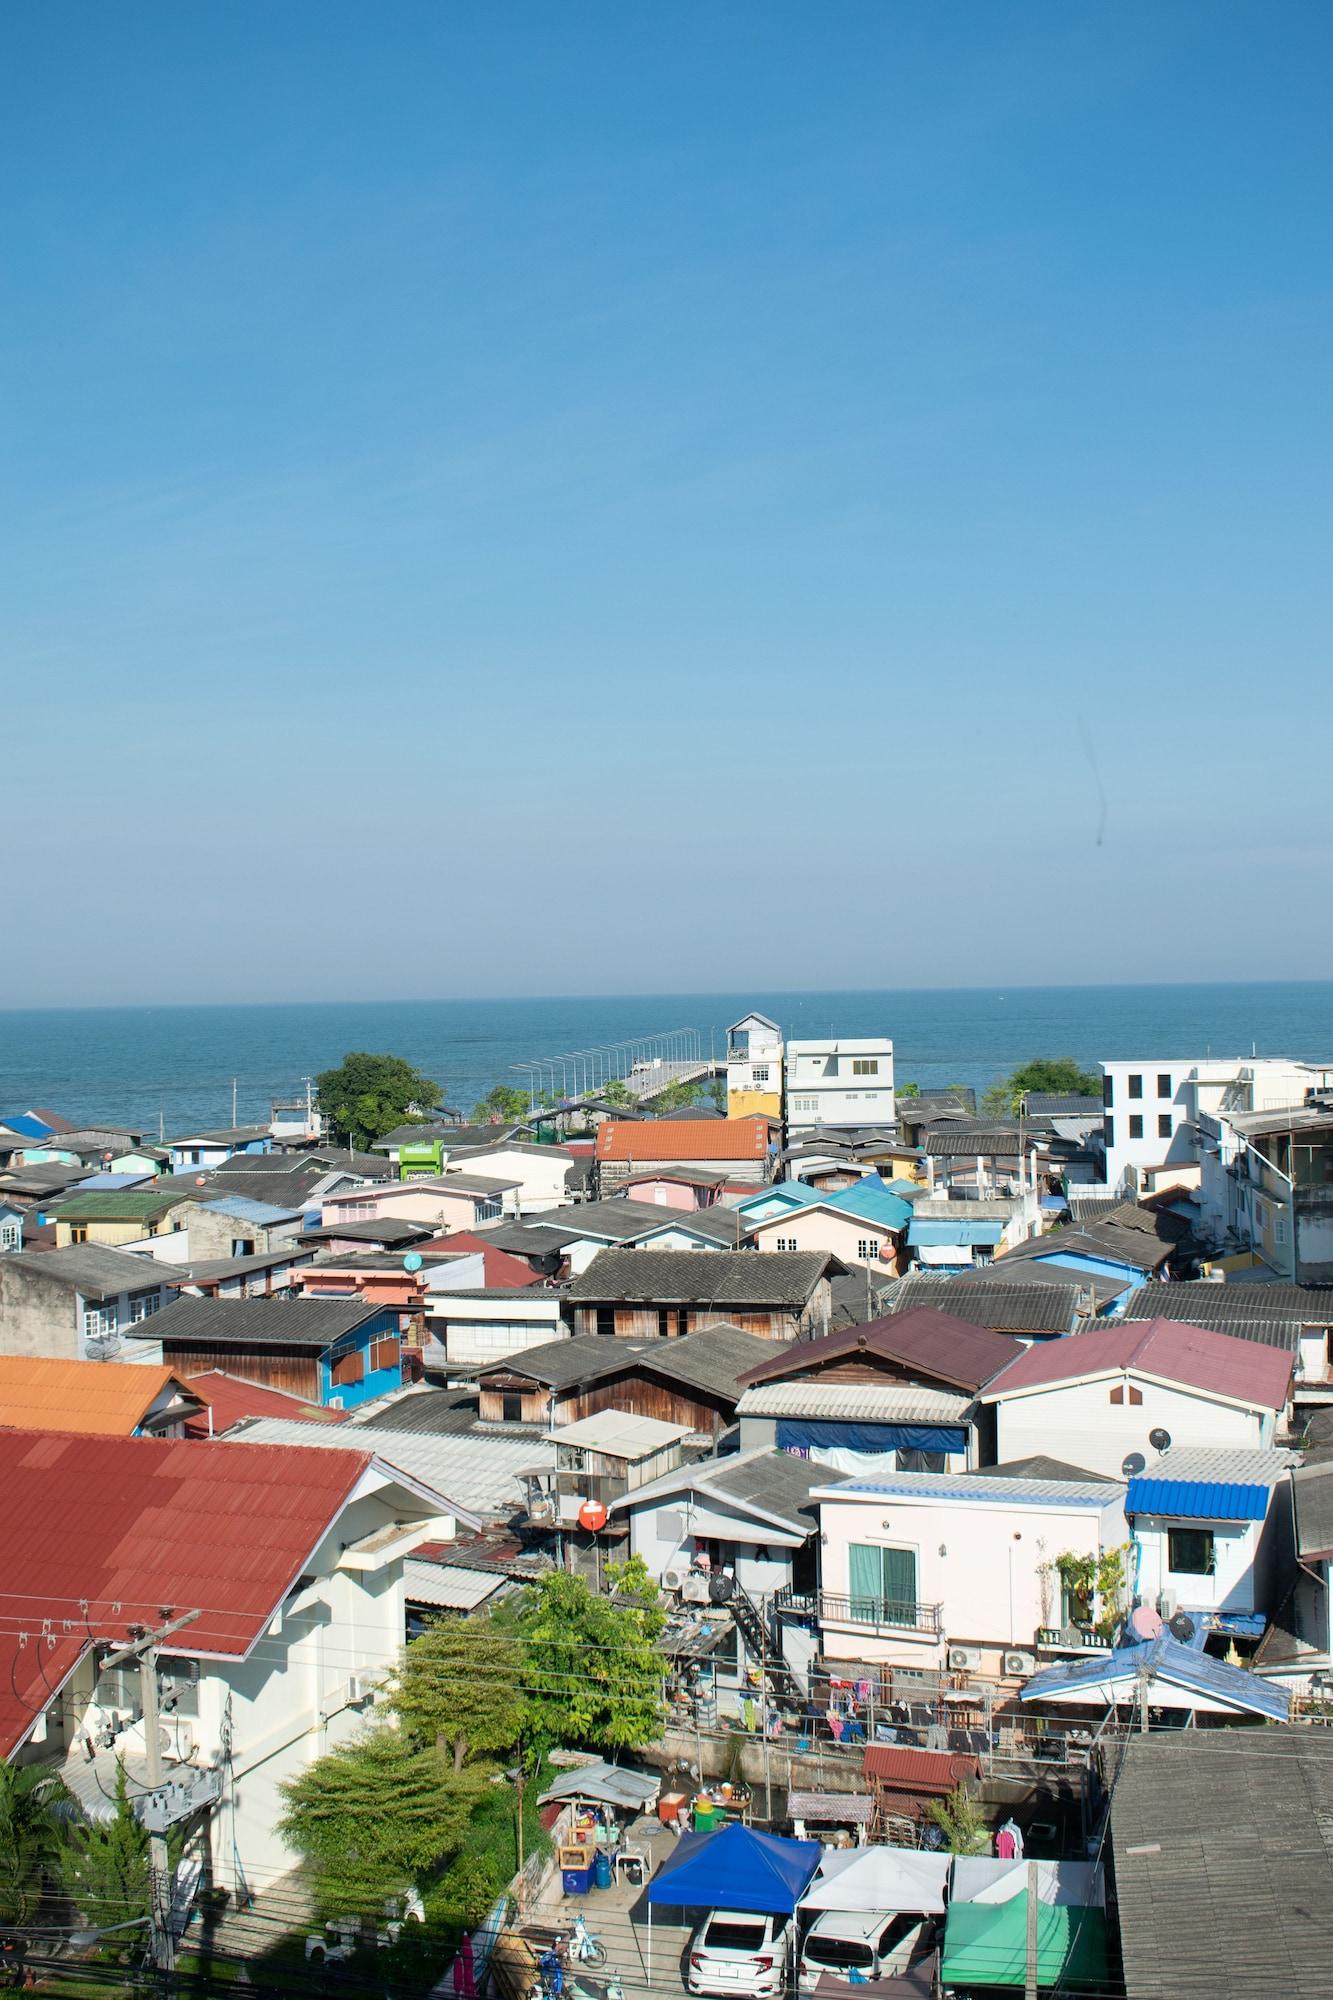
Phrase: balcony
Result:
[879,1615]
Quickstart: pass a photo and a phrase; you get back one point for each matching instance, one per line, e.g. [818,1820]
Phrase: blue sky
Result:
[584,498]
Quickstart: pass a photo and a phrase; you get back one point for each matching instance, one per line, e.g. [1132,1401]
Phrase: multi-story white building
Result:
[1152,1109]
[754,1068]
[839,1084]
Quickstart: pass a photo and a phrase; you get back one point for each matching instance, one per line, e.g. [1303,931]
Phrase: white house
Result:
[277,1641]
[470,1327]
[1154,1111]
[1113,1398]
[442,1201]
[954,1570]
[1211,1532]
[839,1083]
[754,1067]
[537,1176]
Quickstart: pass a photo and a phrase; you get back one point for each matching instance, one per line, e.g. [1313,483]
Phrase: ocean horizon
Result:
[171,1067]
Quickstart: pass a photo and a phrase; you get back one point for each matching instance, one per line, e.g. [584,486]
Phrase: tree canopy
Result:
[595,1671]
[460,1686]
[34,1807]
[368,1095]
[104,1864]
[1058,1075]
[507,1104]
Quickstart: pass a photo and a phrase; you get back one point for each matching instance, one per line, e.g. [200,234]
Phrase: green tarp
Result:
[985,1944]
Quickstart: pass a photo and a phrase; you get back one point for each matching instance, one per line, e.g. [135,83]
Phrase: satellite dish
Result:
[1159,1439]
[1181,1627]
[1144,1622]
[413,1261]
[1132,1464]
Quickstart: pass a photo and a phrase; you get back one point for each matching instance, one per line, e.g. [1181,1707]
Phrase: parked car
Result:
[740,1951]
[870,1944]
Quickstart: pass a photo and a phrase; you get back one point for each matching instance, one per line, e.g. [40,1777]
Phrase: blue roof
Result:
[246,1210]
[931,1230]
[871,1201]
[1164,1659]
[736,1869]
[114,1181]
[982,1485]
[1198,1499]
[26,1125]
[792,1195]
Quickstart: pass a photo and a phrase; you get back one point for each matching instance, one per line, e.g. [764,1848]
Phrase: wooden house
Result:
[665,1294]
[692,1381]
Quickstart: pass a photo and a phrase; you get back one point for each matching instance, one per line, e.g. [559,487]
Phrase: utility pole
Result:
[144,1649]
[233,1104]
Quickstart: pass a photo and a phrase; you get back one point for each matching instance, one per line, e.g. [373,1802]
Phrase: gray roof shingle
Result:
[95,1270]
[196,1322]
[1005,1308]
[712,1360]
[703,1277]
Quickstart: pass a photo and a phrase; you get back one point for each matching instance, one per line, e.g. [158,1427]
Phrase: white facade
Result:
[839,1083]
[754,1066]
[1151,1107]
[538,1171]
[464,1328]
[1098,1423]
[976,1551]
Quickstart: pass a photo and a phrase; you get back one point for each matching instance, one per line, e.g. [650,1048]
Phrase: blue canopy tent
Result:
[734,1869]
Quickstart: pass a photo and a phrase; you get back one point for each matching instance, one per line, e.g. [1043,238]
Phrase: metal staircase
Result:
[766,1648]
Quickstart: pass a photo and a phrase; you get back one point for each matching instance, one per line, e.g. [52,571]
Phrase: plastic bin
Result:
[669,1805]
[706,1816]
[575,1881]
[601,1870]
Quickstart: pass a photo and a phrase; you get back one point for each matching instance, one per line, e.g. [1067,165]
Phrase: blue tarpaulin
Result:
[736,1869]
[800,1433]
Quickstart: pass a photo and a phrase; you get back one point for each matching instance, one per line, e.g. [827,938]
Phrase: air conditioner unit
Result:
[963,1659]
[1019,1664]
[361,1688]
[1166,1603]
[334,1403]
[673,1579]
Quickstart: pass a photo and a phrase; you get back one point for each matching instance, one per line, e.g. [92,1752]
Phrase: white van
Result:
[866,1944]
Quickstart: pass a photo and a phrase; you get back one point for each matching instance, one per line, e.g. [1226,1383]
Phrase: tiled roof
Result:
[108,1532]
[1312,1496]
[230,1400]
[702,1277]
[712,1360]
[390,1231]
[775,1484]
[1193,1357]
[1102,1241]
[137,1204]
[683,1139]
[91,1398]
[935,1344]
[254,1322]
[855,1402]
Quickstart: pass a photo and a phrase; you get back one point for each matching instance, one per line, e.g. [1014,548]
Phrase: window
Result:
[242,1246]
[883,1585]
[1108,1092]
[663,1323]
[178,1686]
[511,1409]
[384,1354]
[348,1369]
[1189,1551]
[759,1074]
[805,1104]
[98,1322]
[865,1065]
[867,1247]
[1163,1084]
[78,1232]
[1135,1086]
[1134,1398]
[143,1305]
[488,1210]
[912,1459]
[606,1319]
[1108,1132]
[10,1234]
[118,1688]
[785,1242]
[1164,1125]
[1135,1126]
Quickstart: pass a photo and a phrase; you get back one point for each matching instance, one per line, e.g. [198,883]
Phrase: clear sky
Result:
[555,497]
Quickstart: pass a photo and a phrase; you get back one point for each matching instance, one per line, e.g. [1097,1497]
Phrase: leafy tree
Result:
[35,1810]
[507,1104]
[960,1820]
[105,1866]
[675,1096]
[595,1671]
[617,1091]
[367,1096]
[460,1687]
[717,1095]
[374,1815]
[1046,1073]
[907,1090]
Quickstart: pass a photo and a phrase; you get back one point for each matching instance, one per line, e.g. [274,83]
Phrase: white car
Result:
[863,1945]
[740,1951]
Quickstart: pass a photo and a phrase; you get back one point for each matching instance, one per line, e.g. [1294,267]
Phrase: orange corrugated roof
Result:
[683,1139]
[88,1398]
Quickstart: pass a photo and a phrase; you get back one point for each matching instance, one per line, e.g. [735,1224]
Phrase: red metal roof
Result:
[683,1139]
[106,1533]
[232,1399]
[923,1341]
[1195,1357]
[918,1770]
[499,1269]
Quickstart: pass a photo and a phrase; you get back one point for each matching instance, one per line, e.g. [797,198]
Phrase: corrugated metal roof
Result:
[938,1233]
[478,1473]
[683,1139]
[889,1403]
[92,1398]
[621,1433]
[1197,1499]
[900,1766]
[1163,1659]
[925,1342]
[1195,1357]
[981,1486]
[452,1589]
[128,1525]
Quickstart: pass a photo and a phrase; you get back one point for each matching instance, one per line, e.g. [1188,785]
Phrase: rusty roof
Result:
[683,1139]
[91,1398]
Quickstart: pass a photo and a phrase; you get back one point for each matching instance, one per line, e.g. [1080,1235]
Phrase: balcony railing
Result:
[879,1614]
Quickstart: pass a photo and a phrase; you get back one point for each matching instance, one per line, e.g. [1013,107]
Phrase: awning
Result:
[1176,1676]
[937,1230]
[984,1878]
[1198,1499]
[606,1784]
[801,1433]
[985,1944]
[879,1878]
[736,1869]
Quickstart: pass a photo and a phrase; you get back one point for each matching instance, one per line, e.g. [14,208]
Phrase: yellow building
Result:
[754,1068]
[119,1215]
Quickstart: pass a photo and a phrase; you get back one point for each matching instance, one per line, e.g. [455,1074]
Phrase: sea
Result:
[173,1069]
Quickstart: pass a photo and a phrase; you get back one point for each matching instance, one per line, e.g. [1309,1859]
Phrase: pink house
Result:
[677,1187]
[442,1203]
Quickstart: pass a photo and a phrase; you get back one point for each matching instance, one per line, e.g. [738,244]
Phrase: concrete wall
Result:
[836,1235]
[38,1316]
[212,1234]
[1081,1425]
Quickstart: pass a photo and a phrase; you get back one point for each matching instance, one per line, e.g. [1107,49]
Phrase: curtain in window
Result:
[882,1585]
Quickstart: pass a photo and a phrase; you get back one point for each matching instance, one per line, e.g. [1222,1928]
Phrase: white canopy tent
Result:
[879,1878]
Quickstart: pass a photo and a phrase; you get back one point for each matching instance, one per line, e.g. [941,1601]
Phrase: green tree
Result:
[507,1104]
[594,1668]
[616,1091]
[960,1820]
[459,1686]
[375,1815]
[367,1096]
[1060,1074]
[716,1094]
[105,1867]
[675,1096]
[907,1090]
[35,1810]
